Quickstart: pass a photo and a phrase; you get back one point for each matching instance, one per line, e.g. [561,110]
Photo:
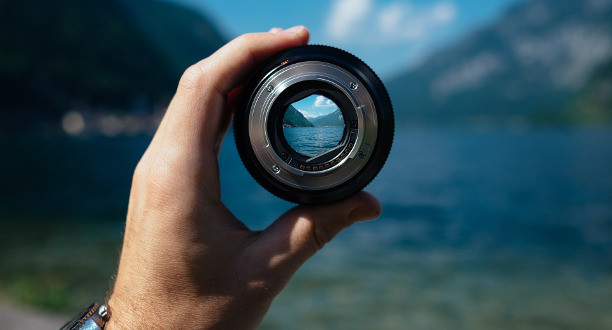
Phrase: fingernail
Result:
[293,30]
[364,213]
[276,30]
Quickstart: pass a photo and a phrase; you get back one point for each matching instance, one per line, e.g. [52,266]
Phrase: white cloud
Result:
[400,22]
[395,22]
[390,16]
[323,102]
[345,14]
[310,114]
[443,12]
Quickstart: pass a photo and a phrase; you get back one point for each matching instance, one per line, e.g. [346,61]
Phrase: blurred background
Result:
[497,196]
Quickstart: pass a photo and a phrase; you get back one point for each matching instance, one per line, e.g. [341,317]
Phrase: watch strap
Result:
[93,317]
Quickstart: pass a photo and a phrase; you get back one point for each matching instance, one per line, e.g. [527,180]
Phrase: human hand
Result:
[187,262]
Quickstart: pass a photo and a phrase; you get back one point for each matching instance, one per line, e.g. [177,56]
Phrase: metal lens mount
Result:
[294,75]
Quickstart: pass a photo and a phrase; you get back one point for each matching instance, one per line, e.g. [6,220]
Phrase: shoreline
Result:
[14,316]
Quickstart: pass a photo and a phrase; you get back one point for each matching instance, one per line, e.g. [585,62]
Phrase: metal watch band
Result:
[93,317]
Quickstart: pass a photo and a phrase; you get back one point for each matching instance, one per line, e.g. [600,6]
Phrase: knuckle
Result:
[139,171]
[265,288]
[142,168]
[192,77]
[166,165]
[159,169]
[246,38]
[157,184]
[259,287]
[320,236]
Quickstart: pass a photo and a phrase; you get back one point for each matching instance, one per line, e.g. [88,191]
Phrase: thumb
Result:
[298,234]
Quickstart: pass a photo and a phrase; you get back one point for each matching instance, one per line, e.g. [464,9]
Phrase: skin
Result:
[186,261]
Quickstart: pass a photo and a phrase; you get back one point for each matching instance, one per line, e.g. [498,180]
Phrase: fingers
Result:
[230,65]
[302,231]
[196,112]
[227,117]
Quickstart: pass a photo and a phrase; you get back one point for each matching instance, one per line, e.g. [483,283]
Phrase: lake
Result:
[312,141]
[479,230]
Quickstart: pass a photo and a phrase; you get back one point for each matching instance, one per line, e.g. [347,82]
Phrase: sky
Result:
[315,106]
[389,35]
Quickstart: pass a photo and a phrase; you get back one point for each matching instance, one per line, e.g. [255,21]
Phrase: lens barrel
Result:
[322,162]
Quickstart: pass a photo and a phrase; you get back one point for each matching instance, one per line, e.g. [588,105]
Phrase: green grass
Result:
[57,266]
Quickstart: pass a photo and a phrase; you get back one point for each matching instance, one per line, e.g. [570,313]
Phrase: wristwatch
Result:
[93,317]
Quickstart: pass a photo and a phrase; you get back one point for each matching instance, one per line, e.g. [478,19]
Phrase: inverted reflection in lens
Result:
[313,125]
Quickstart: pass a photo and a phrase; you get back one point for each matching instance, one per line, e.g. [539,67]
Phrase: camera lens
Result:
[313,125]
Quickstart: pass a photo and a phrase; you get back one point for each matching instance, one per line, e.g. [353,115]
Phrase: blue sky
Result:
[315,106]
[389,35]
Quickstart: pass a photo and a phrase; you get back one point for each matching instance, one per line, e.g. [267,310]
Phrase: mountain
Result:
[594,103]
[181,35]
[532,63]
[294,118]
[98,55]
[333,119]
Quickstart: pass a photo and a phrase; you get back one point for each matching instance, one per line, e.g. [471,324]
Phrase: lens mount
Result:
[293,75]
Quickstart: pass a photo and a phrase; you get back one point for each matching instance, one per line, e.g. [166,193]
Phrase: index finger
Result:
[195,114]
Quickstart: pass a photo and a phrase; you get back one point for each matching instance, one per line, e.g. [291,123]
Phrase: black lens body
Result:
[295,74]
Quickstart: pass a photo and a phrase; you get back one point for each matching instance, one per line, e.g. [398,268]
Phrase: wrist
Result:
[141,311]
[125,315]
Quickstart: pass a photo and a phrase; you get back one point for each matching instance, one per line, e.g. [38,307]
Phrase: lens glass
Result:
[313,125]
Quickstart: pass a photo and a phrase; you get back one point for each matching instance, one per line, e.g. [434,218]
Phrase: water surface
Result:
[480,230]
[313,141]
